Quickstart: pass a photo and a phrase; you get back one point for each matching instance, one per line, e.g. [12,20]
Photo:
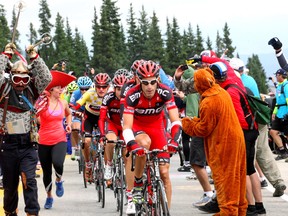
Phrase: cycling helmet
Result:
[148,69]
[72,86]
[119,80]
[219,70]
[136,64]
[84,82]
[237,64]
[121,71]
[102,79]
[208,53]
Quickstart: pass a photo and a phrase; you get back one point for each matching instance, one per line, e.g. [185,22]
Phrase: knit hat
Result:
[188,73]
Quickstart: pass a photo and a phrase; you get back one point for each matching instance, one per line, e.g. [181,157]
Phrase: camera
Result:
[184,67]
[270,78]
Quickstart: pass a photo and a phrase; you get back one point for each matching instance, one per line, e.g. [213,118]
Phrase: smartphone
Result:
[184,67]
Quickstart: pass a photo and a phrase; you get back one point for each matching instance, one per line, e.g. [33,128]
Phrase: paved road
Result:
[80,201]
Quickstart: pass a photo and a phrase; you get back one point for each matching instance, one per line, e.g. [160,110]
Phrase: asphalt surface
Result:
[79,201]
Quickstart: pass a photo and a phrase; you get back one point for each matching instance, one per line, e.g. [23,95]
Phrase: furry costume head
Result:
[203,80]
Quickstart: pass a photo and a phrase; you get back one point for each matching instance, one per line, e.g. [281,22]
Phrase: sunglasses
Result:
[147,82]
[84,89]
[101,87]
[20,78]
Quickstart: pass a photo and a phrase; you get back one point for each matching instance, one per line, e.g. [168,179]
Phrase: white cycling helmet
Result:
[237,64]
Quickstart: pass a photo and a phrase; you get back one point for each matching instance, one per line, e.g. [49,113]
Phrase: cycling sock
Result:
[138,182]
[129,195]
[109,162]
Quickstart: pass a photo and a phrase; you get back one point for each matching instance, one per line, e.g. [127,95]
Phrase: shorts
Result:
[280,125]
[158,137]
[114,128]
[90,121]
[250,141]
[197,152]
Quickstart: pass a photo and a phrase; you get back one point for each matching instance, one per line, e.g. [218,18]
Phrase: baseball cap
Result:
[281,71]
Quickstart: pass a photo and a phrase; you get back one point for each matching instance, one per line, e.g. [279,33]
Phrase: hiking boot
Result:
[279,190]
[203,201]
[264,183]
[108,172]
[59,189]
[137,195]
[130,208]
[282,156]
[48,203]
[210,207]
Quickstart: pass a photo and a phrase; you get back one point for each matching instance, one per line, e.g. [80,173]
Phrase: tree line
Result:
[114,47]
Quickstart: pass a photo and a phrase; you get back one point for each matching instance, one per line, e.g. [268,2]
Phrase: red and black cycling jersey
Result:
[148,110]
[125,88]
[110,109]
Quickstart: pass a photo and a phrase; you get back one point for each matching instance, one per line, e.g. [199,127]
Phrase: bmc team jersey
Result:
[148,111]
[92,101]
[110,111]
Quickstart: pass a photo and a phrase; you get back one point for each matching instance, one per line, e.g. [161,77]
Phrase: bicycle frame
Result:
[154,193]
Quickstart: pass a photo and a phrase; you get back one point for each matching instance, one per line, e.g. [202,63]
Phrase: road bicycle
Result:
[118,179]
[98,167]
[155,201]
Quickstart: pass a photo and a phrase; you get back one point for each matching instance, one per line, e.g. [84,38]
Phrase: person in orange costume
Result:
[224,142]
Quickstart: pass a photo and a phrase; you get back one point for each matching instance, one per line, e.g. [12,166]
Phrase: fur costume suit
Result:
[224,143]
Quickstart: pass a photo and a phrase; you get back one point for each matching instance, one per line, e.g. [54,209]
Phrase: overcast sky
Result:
[252,22]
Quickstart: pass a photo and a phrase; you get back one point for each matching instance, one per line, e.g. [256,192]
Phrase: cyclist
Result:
[110,114]
[92,99]
[71,87]
[143,107]
[83,83]
[133,81]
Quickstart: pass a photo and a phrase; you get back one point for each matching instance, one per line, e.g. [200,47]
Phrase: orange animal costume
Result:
[224,143]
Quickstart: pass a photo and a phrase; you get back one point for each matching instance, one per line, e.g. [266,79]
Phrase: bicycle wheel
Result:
[100,186]
[81,162]
[161,205]
[119,187]
[84,172]
[97,180]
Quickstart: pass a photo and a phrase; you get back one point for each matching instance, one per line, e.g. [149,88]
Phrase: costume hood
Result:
[203,80]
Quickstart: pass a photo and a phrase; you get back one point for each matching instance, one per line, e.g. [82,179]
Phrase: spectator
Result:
[53,140]
[18,155]
[229,165]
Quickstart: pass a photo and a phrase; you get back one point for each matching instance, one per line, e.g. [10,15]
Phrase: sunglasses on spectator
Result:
[20,78]
[101,87]
[84,89]
[147,82]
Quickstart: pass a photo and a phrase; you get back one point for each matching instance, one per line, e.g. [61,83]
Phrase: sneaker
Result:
[137,195]
[279,190]
[203,201]
[108,172]
[210,207]
[264,183]
[184,168]
[48,203]
[73,157]
[282,156]
[131,208]
[59,189]
[191,177]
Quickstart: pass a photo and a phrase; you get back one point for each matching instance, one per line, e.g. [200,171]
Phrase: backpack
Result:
[260,109]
